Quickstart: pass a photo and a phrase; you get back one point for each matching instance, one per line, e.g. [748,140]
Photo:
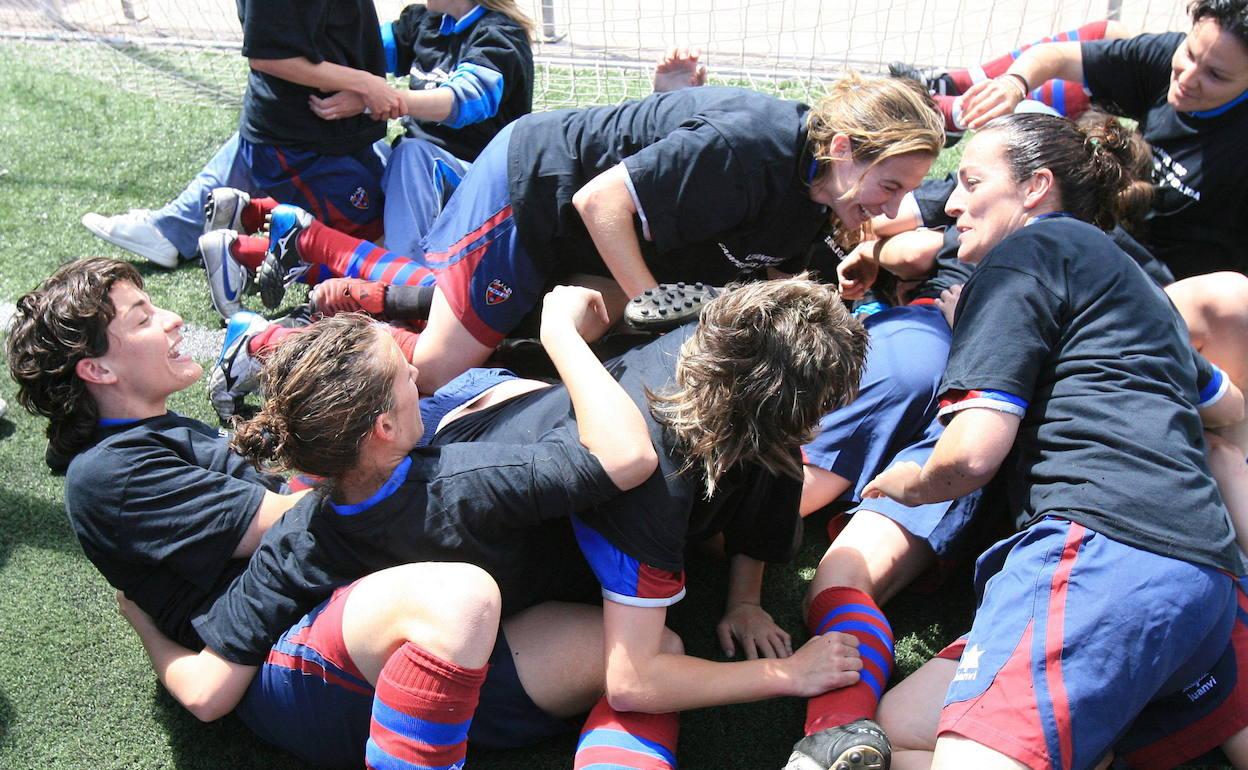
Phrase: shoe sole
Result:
[855,758]
[161,258]
[667,306]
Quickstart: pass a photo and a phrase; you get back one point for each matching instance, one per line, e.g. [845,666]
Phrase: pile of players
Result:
[489,559]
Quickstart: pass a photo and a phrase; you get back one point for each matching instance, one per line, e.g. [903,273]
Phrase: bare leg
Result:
[820,487]
[873,554]
[557,648]
[910,713]
[450,610]
[445,349]
[1236,749]
[956,752]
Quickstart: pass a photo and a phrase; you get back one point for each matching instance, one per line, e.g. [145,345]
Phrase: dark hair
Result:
[1089,168]
[1134,201]
[324,388]
[1231,16]
[63,321]
[767,360]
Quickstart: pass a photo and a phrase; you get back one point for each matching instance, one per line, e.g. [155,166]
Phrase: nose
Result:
[172,320]
[955,205]
[892,206]
[1185,76]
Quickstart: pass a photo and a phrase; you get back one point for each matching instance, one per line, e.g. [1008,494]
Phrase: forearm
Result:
[671,682]
[272,507]
[910,255]
[1050,61]
[966,456]
[324,76]
[205,684]
[1227,410]
[607,209]
[609,423]
[745,580]
[433,105]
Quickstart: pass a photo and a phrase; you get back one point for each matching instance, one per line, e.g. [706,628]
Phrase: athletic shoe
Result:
[859,745]
[4,407]
[282,264]
[937,82]
[134,232]
[228,281]
[224,209]
[236,372]
[349,295]
[667,306]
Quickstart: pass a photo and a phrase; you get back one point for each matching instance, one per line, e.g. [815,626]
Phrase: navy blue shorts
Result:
[1078,637]
[309,699]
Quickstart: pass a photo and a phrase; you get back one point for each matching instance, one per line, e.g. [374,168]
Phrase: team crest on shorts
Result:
[497,292]
[359,198]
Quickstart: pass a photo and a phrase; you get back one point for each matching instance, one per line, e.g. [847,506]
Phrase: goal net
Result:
[592,51]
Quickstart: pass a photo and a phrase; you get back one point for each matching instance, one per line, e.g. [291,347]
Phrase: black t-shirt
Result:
[1056,316]
[493,41]
[756,511]
[501,507]
[159,505]
[1199,222]
[721,175]
[275,111]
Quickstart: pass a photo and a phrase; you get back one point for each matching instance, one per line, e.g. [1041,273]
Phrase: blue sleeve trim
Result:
[478,92]
[997,400]
[1214,390]
[392,49]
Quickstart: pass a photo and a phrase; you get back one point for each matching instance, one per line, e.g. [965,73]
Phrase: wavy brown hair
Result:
[63,321]
[324,389]
[767,360]
[883,118]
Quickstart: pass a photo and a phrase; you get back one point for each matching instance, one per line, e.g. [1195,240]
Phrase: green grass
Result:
[75,688]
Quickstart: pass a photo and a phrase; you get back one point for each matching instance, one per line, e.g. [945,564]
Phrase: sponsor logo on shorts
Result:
[497,292]
[968,666]
[359,198]
[1201,687]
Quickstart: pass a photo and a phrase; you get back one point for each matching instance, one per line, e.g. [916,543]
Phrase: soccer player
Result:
[170,516]
[720,183]
[1066,358]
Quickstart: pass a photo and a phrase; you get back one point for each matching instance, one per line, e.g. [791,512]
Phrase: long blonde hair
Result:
[512,11]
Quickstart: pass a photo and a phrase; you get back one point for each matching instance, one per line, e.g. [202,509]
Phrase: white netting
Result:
[595,52]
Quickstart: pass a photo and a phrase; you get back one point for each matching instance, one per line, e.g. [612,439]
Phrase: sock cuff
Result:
[414,669]
[836,597]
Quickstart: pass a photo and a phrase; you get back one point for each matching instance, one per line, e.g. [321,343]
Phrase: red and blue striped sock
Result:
[627,740]
[852,612]
[421,712]
[965,78]
[350,257]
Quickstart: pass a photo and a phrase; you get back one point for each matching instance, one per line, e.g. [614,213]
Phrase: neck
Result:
[114,406]
[363,481]
[460,8]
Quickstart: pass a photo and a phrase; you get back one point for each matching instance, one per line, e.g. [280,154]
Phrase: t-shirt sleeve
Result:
[1008,320]
[284,29]
[155,508]
[1128,75]
[691,186]
[519,486]
[1211,382]
[405,31]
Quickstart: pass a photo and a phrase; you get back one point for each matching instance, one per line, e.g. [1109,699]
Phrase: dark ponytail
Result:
[1090,169]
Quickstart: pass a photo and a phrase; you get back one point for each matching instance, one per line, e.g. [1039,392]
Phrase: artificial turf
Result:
[76,690]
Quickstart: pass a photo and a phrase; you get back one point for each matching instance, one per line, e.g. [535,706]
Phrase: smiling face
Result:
[1208,69]
[859,190]
[988,203]
[144,364]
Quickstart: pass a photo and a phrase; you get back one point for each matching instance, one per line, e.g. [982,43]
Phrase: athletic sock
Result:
[252,219]
[627,739]
[421,712]
[261,344]
[1065,96]
[965,78]
[350,257]
[851,611]
[951,110]
[249,251]
[406,339]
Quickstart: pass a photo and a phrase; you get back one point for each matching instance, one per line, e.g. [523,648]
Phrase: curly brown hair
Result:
[63,321]
[324,388]
[767,360]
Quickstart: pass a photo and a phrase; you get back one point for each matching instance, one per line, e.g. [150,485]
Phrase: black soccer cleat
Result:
[668,305]
[937,82]
[859,745]
[282,264]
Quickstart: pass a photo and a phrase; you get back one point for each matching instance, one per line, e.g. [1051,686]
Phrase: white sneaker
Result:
[236,372]
[224,209]
[4,407]
[228,281]
[134,232]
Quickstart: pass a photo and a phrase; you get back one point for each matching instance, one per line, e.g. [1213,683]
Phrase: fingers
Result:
[724,632]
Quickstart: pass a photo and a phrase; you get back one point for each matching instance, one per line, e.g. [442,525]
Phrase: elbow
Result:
[206,708]
[633,469]
[625,692]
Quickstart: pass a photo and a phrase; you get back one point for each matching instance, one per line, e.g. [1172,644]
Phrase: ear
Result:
[384,427]
[95,371]
[841,147]
[1040,188]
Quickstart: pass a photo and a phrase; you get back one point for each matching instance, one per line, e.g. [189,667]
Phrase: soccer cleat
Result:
[668,305]
[937,82]
[349,295]
[282,264]
[859,745]
[236,372]
[224,209]
[228,281]
[134,232]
